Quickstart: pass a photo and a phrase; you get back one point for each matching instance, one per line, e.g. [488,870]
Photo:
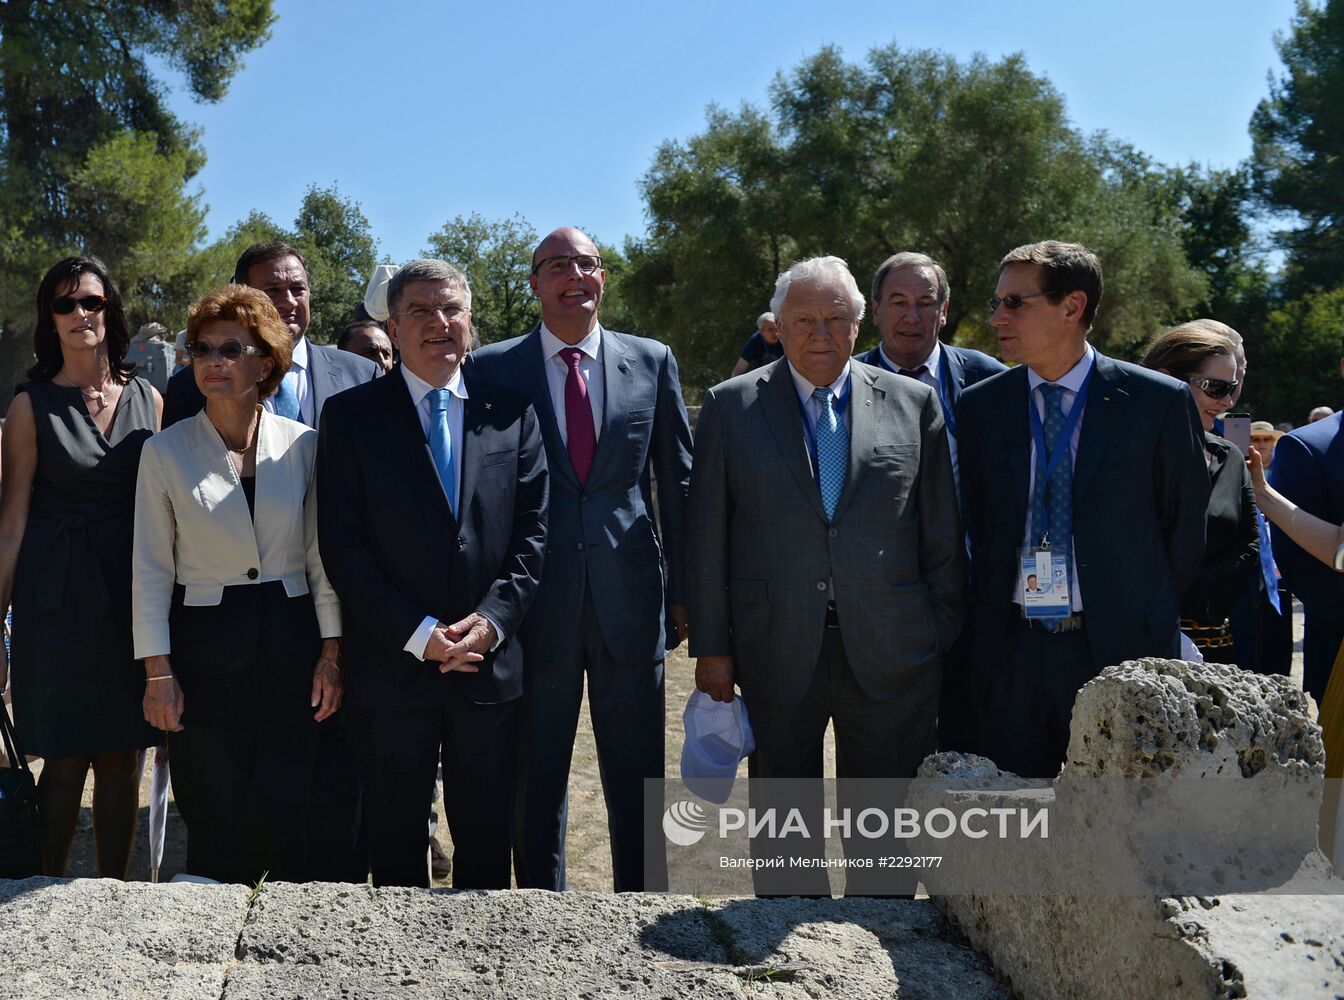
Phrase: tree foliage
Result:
[333,235]
[1298,139]
[90,156]
[496,257]
[911,150]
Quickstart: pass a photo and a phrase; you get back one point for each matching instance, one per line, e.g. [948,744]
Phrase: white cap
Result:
[718,736]
[375,296]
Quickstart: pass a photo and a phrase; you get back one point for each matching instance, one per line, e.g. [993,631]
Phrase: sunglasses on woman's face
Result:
[65,305]
[1214,388]
[230,350]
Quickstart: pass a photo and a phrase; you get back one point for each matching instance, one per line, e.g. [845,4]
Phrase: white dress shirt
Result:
[297,378]
[812,409]
[1072,382]
[457,395]
[557,371]
[933,378]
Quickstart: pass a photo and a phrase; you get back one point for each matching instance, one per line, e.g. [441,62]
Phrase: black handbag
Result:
[20,829]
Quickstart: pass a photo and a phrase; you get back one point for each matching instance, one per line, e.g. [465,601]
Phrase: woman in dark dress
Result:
[72,451]
[1206,362]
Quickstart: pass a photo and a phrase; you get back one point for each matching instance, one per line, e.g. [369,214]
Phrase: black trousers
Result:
[958,714]
[241,768]
[477,745]
[625,701]
[338,848]
[874,740]
[1031,700]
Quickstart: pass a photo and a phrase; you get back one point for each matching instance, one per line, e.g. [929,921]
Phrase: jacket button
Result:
[832,532]
[821,584]
[579,547]
[252,574]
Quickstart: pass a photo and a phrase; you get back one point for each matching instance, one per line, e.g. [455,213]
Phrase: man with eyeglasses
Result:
[910,296]
[432,523]
[337,850]
[317,372]
[1087,471]
[612,417]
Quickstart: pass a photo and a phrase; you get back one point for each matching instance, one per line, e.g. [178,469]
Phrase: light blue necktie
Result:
[1058,519]
[832,451]
[441,444]
[1267,568]
[287,400]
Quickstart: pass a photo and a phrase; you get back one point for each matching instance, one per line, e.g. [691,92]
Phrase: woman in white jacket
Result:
[232,612]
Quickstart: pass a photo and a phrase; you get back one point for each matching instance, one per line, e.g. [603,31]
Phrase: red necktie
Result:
[914,372]
[582,437]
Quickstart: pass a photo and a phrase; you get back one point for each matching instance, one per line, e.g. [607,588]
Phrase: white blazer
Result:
[192,525]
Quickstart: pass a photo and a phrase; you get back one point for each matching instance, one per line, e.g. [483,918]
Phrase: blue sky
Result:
[422,111]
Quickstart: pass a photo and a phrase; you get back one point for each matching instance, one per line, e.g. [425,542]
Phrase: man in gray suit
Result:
[825,566]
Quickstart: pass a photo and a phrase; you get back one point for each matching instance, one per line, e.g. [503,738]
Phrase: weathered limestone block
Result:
[1177,775]
[102,938]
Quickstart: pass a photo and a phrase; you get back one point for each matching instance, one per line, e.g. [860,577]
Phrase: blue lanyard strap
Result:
[1065,435]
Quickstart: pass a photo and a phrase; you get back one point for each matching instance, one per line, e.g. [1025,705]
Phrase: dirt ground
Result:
[589,860]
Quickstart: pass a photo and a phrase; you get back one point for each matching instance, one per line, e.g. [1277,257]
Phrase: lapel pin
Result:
[488,405]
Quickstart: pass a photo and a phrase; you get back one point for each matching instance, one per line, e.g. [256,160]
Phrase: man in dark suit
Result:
[1088,471]
[337,850]
[910,299]
[317,372]
[612,418]
[1308,469]
[826,562]
[432,525]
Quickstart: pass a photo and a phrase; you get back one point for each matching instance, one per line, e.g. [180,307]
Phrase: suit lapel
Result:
[954,379]
[474,410]
[532,374]
[1014,434]
[866,403]
[321,378]
[780,398]
[1105,408]
[616,401]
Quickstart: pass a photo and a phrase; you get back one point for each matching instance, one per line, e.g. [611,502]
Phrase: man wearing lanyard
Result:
[910,299]
[839,604]
[1087,472]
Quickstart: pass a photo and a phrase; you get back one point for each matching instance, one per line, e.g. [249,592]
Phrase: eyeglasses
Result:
[65,305]
[1214,388]
[230,350]
[421,314]
[1011,302]
[588,263]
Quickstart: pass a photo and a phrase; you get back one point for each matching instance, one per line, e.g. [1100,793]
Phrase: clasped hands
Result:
[462,645]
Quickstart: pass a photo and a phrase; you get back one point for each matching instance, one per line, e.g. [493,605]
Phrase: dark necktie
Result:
[914,373]
[579,431]
[1055,519]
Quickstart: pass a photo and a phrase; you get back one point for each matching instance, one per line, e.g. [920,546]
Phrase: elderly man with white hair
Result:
[837,606]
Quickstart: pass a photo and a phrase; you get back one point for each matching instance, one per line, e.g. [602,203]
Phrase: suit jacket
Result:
[1308,469]
[395,552]
[965,368]
[603,535]
[329,371]
[1232,537]
[1140,492]
[762,552]
[200,558]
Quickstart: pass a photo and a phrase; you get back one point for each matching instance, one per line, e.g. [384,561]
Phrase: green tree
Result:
[75,79]
[496,257]
[334,237]
[910,150]
[1298,145]
[1296,363]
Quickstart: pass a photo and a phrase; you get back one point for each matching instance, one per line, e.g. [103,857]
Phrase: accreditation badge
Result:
[1044,583]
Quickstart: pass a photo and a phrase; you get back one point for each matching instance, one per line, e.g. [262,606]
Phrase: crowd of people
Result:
[316,575]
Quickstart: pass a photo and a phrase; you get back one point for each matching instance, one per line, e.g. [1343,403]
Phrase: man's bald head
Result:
[561,241]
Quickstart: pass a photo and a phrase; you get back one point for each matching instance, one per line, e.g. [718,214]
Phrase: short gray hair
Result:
[425,270]
[763,318]
[907,259]
[819,270]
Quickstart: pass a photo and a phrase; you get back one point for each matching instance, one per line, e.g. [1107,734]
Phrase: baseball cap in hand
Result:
[718,736]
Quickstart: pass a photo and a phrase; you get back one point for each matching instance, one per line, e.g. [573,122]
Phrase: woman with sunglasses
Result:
[72,447]
[233,615]
[1206,363]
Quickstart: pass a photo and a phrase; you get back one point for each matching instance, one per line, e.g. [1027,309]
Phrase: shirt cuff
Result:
[499,632]
[419,639]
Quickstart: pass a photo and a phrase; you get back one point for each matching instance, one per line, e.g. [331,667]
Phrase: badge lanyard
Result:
[1062,443]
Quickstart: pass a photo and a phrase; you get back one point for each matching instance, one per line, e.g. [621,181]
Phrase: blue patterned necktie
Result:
[287,400]
[441,444]
[832,451]
[1057,519]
